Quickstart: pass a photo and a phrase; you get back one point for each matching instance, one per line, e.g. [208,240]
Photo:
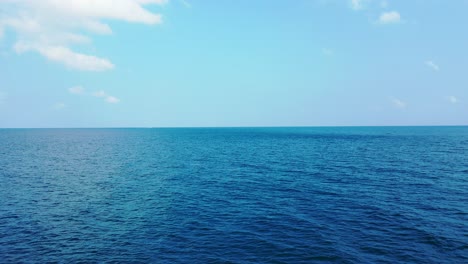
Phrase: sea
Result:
[234,195]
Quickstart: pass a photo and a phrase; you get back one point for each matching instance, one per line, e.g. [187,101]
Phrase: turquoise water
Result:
[235,195]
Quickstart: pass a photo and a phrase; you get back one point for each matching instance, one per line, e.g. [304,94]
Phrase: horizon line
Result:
[188,127]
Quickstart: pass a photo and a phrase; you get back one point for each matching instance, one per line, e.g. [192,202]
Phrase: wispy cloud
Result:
[76,90]
[108,98]
[358,4]
[112,99]
[75,60]
[391,17]
[51,28]
[452,99]
[432,65]
[186,3]
[387,17]
[59,106]
[397,103]
[100,94]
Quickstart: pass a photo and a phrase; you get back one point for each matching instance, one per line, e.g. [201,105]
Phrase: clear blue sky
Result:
[157,63]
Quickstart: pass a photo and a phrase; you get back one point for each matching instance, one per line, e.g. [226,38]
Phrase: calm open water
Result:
[235,195]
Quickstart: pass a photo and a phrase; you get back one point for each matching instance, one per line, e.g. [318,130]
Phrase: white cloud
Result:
[52,27]
[127,10]
[98,27]
[452,99]
[112,99]
[397,103]
[391,17]
[75,60]
[432,65]
[76,90]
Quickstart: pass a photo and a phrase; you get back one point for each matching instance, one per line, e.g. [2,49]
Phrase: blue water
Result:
[235,195]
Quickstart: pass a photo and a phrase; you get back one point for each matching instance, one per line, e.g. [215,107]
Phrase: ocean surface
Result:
[234,195]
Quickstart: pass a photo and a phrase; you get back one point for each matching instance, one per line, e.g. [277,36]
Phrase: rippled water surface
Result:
[235,195]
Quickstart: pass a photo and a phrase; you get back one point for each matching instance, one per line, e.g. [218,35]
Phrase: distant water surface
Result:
[235,195]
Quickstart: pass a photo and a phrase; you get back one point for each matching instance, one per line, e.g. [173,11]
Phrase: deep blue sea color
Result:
[234,195]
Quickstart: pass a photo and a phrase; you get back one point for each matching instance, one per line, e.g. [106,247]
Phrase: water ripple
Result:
[239,195]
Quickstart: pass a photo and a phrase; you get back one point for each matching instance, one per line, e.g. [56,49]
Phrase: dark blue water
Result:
[238,195]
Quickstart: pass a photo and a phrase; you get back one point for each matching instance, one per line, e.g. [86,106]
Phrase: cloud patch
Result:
[75,60]
[99,94]
[112,99]
[59,106]
[186,3]
[76,90]
[432,65]
[79,90]
[52,27]
[107,98]
[452,99]
[397,103]
[358,4]
[392,17]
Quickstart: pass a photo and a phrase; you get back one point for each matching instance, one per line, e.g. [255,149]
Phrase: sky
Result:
[210,63]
